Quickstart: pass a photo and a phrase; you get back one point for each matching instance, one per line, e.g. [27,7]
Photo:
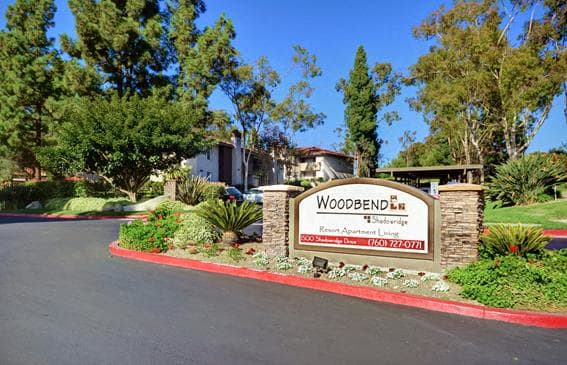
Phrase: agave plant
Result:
[193,190]
[518,240]
[229,217]
[526,180]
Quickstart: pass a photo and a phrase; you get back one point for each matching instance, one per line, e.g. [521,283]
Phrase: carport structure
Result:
[455,173]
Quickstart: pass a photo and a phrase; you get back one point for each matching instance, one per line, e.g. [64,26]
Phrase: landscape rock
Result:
[34,205]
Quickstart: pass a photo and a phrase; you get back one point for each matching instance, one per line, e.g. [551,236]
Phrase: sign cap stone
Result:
[281,187]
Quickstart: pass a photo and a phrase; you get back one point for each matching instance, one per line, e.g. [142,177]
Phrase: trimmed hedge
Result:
[84,204]
[18,196]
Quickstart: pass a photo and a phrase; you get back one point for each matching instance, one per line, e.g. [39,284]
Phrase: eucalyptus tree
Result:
[251,89]
[489,92]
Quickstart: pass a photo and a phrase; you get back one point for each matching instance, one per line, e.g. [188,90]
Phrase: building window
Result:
[209,175]
[208,154]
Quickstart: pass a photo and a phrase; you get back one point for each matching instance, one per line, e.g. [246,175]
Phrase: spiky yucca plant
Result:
[526,180]
[509,239]
[193,190]
[229,217]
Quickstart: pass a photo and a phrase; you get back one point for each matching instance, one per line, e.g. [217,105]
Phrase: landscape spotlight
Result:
[320,263]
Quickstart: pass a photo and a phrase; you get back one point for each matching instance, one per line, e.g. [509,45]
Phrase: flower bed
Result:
[252,255]
[515,271]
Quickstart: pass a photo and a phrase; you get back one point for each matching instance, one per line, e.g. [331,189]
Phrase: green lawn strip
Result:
[551,215]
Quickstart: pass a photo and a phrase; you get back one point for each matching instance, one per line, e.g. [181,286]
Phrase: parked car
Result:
[233,194]
[255,195]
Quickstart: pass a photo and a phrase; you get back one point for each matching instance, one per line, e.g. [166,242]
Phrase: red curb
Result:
[438,305]
[70,216]
[555,232]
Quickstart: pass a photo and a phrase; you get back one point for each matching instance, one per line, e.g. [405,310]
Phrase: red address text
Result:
[376,243]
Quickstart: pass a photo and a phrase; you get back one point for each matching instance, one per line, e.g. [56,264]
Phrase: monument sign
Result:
[367,217]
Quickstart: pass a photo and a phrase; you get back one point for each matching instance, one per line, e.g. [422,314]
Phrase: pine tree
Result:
[124,41]
[364,96]
[29,69]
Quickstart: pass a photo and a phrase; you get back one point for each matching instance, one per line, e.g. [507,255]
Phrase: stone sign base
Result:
[457,226]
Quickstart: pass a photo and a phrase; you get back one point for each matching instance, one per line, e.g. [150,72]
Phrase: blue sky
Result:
[333,29]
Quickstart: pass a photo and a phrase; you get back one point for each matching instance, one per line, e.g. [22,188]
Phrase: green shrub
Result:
[517,240]
[235,253]
[194,229]
[155,235]
[527,180]
[304,183]
[177,173]
[83,204]
[173,206]
[214,191]
[229,217]
[151,189]
[516,282]
[193,190]
[18,196]
[208,249]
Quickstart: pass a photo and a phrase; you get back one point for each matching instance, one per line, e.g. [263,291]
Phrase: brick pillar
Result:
[170,189]
[276,217]
[462,207]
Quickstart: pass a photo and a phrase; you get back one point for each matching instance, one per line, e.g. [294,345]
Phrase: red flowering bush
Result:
[153,235]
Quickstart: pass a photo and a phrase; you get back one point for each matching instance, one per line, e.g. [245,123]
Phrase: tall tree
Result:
[294,114]
[365,93]
[259,115]
[480,87]
[406,140]
[249,88]
[29,69]
[124,139]
[203,57]
[124,41]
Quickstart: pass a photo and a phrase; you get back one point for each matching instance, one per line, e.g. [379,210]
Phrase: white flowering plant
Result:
[378,281]
[430,277]
[336,273]
[261,259]
[283,263]
[304,266]
[350,268]
[373,270]
[411,283]
[441,287]
[396,274]
[358,276]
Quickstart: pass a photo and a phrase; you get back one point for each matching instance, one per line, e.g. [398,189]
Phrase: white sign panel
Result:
[365,217]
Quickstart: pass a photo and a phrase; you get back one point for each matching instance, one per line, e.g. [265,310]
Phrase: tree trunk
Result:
[358,164]
[229,238]
[38,143]
[244,167]
[132,196]
[246,163]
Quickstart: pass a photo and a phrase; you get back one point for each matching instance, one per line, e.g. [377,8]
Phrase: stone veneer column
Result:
[276,217]
[462,207]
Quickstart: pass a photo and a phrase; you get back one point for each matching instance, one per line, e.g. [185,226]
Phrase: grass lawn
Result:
[551,215]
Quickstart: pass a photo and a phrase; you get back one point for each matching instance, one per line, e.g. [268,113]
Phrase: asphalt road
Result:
[64,300]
